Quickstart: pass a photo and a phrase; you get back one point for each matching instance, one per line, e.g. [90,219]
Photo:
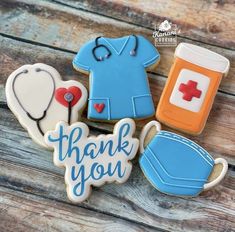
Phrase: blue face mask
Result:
[176,165]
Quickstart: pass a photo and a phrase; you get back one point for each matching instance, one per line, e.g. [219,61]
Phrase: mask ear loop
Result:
[145,131]
[37,120]
[99,46]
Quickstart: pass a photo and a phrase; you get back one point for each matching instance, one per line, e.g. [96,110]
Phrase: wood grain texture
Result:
[218,136]
[49,22]
[27,212]
[32,190]
[206,21]
[136,200]
[26,167]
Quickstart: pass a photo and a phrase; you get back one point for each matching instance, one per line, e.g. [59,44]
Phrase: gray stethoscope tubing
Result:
[37,120]
[109,53]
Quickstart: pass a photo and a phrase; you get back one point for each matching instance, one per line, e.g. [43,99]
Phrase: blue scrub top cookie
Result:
[118,81]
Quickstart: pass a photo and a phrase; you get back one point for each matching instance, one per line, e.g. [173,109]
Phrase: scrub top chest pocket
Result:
[192,84]
[118,81]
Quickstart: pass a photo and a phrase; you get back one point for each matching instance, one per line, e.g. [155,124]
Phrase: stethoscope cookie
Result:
[118,80]
[92,160]
[39,99]
[176,165]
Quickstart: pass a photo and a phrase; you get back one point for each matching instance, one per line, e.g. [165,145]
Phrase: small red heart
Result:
[99,107]
[71,94]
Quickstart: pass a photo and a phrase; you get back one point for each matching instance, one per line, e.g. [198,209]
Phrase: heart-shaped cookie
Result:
[37,96]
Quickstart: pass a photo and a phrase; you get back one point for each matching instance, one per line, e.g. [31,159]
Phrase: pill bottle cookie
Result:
[119,86]
[190,89]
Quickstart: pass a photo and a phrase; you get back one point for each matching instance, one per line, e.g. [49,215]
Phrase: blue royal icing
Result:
[92,160]
[119,81]
[176,165]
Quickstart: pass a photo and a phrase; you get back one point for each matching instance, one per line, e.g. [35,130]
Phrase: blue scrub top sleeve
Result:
[84,58]
[148,54]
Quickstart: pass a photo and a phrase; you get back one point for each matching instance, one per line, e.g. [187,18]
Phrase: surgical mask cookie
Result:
[92,160]
[190,89]
[176,165]
[118,80]
[39,99]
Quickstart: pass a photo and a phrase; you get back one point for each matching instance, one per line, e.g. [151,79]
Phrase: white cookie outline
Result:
[29,124]
[143,134]
[106,179]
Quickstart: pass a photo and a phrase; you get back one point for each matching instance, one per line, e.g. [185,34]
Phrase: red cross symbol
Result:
[190,90]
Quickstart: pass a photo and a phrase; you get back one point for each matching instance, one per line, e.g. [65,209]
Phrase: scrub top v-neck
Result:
[118,85]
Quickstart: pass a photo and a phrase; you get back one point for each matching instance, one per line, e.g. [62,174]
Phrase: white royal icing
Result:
[30,90]
[202,57]
[195,104]
[90,160]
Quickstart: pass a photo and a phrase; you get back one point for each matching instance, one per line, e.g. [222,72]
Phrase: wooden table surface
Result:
[33,196]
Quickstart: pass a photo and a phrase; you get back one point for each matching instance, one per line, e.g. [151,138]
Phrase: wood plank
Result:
[136,200]
[218,136]
[49,22]
[27,167]
[193,19]
[27,212]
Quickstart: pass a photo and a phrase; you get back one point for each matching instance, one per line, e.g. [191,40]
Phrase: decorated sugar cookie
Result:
[39,99]
[176,165]
[118,80]
[191,86]
[92,160]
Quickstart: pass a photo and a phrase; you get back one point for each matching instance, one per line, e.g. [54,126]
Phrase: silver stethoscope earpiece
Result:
[109,53]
